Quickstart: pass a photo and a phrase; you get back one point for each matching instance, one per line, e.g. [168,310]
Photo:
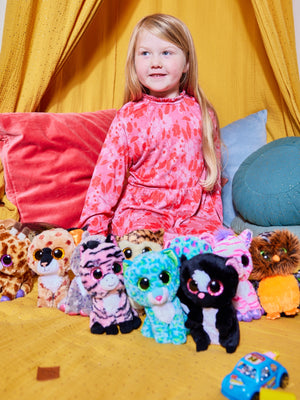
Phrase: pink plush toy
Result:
[237,246]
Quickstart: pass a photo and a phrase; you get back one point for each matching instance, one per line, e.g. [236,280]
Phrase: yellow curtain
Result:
[234,64]
[276,23]
[38,37]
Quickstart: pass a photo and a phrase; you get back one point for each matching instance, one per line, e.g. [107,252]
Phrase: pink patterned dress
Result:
[148,172]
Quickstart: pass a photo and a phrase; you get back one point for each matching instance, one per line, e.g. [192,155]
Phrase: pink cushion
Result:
[48,161]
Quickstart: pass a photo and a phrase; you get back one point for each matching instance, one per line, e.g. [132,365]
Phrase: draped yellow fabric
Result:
[234,64]
[280,45]
[37,39]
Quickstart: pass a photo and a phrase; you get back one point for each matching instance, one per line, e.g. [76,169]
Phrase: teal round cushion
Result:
[266,186]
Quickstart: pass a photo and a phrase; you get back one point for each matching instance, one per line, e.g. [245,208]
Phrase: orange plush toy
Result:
[276,257]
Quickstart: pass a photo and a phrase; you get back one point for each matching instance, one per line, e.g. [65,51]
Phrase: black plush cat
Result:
[208,284]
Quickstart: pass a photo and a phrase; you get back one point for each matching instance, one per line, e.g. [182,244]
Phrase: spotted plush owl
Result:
[276,258]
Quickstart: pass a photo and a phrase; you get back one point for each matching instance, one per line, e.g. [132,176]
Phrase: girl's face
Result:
[159,65]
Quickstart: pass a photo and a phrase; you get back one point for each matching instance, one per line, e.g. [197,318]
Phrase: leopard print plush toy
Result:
[16,278]
[49,257]
[152,280]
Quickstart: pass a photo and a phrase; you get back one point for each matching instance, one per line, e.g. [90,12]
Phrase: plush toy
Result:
[140,241]
[101,272]
[78,300]
[152,280]
[209,283]
[49,257]
[16,278]
[276,257]
[191,246]
[230,245]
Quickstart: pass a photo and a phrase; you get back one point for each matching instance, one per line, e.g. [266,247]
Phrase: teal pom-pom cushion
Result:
[266,186]
[239,139]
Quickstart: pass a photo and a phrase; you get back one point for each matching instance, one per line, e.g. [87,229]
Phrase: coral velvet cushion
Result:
[266,187]
[48,161]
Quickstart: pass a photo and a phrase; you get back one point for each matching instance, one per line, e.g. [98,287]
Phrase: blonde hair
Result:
[176,32]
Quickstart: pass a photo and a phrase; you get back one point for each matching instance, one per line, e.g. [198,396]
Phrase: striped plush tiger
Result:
[101,272]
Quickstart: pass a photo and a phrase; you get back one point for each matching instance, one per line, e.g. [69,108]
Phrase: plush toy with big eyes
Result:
[209,283]
[49,257]
[230,245]
[140,241]
[152,280]
[101,272]
[276,259]
[16,278]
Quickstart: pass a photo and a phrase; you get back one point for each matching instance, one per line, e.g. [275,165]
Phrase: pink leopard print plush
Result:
[237,246]
[101,272]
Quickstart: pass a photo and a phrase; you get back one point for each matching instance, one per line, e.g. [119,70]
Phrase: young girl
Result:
[160,164]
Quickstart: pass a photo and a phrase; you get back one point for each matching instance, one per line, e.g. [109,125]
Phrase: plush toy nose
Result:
[158,298]
[46,257]
[276,258]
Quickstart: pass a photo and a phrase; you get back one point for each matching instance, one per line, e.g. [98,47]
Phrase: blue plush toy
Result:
[191,246]
[152,280]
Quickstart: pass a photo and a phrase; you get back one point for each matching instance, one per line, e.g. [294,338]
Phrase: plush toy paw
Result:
[128,326]
[249,315]
[112,330]
[5,298]
[20,293]
[97,329]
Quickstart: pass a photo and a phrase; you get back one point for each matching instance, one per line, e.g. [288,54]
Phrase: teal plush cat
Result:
[152,280]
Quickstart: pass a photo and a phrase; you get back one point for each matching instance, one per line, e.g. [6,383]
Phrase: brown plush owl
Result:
[276,258]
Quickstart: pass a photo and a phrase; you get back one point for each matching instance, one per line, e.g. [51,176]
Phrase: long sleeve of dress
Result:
[107,181]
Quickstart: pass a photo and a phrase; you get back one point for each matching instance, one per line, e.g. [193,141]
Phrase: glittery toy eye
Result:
[117,268]
[144,283]
[146,249]
[215,288]
[265,255]
[37,255]
[58,253]
[97,273]
[192,286]
[127,253]
[165,277]
[6,260]
[283,250]
[245,260]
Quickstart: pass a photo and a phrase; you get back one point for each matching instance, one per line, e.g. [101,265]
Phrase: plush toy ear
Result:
[209,238]
[110,238]
[170,253]
[183,258]
[246,237]
[126,264]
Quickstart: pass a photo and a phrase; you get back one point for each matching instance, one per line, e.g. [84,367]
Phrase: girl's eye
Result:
[97,273]
[265,255]
[166,53]
[165,277]
[58,253]
[6,260]
[215,288]
[117,268]
[145,53]
[143,283]
[192,286]
[127,253]
[37,255]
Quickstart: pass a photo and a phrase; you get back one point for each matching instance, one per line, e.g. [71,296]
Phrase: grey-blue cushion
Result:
[266,186]
[239,140]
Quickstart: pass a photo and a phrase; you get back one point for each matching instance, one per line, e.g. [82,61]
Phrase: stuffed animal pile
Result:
[202,286]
